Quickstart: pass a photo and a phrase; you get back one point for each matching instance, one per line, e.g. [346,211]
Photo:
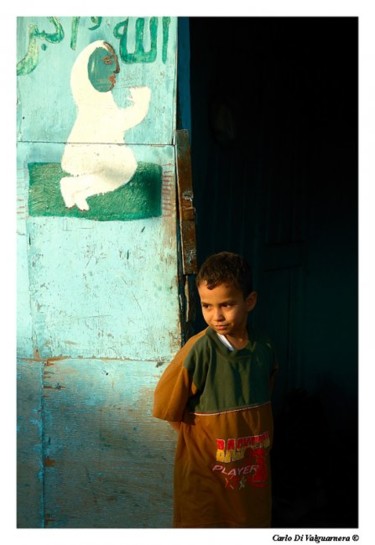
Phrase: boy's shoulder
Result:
[195,340]
[194,343]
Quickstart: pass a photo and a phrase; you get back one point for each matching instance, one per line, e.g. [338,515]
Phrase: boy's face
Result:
[225,309]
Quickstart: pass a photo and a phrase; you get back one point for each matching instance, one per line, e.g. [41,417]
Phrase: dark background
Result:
[274,147]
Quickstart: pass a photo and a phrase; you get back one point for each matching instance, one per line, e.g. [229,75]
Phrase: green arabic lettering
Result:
[166,22]
[31,59]
[97,22]
[55,38]
[75,23]
[74,33]
[139,55]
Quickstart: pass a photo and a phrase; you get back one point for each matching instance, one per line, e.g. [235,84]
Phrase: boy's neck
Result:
[239,341]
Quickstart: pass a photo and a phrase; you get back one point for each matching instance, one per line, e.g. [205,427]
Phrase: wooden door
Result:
[98,285]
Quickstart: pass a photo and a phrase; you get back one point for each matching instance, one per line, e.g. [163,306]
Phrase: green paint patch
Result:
[140,198]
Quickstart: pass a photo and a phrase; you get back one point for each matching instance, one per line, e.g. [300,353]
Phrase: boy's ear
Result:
[251,300]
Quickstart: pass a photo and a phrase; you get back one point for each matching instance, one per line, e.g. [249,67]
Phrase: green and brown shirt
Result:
[222,400]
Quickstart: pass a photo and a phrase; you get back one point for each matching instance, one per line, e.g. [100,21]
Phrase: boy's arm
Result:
[175,425]
[174,389]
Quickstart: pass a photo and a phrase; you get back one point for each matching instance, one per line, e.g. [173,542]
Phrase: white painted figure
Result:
[95,156]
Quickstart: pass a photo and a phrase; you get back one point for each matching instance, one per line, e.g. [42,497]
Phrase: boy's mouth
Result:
[220,327]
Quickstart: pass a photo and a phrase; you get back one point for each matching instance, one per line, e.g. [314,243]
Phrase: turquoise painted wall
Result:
[98,304]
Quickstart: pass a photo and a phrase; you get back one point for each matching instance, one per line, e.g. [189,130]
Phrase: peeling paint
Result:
[101,299]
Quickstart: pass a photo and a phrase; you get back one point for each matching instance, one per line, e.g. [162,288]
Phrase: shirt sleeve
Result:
[174,388]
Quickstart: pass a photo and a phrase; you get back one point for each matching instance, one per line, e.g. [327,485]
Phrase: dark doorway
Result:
[274,140]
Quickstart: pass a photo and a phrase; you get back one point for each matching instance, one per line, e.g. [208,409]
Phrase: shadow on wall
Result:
[90,454]
[314,462]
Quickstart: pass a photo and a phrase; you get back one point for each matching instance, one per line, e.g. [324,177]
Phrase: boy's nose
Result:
[218,315]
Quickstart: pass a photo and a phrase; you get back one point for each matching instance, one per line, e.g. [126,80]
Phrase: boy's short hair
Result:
[226,268]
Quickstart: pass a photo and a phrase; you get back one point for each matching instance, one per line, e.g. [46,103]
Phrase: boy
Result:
[216,394]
